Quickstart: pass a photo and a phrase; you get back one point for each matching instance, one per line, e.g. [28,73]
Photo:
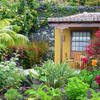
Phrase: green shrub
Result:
[44,93]
[76,89]
[33,53]
[12,94]
[94,85]
[9,76]
[55,75]
[87,76]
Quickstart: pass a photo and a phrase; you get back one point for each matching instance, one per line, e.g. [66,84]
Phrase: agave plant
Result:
[8,37]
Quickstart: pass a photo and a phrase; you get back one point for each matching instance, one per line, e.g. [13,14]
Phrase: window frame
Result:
[90,31]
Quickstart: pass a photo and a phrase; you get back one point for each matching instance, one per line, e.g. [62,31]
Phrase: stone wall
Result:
[44,33]
[47,34]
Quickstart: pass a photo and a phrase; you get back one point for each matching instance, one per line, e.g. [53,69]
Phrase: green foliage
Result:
[3,49]
[76,88]
[87,76]
[10,38]
[55,75]
[33,53]
[94,85]
[44,93]
[9,76]
[95,96]
[24,12]
[12,94]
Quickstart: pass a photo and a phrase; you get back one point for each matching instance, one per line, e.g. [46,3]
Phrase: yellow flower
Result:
[34,11]
[94,62]
[51,15]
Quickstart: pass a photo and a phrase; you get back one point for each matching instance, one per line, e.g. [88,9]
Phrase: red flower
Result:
[97,79]
[85,60]
[91,69]
[14,87]
[81,67]
[9,87]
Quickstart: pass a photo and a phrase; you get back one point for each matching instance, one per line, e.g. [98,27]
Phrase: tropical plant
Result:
[55,75]
[12,94]
[8,37]
[76,89]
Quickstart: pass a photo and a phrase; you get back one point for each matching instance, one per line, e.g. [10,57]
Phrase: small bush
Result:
[94,85]
[9,76]
[33,53]
[76,89]
[12,94]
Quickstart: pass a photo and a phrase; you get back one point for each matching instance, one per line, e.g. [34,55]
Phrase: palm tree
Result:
[8,36]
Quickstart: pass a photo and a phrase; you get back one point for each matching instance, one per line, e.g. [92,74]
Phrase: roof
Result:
[83,17]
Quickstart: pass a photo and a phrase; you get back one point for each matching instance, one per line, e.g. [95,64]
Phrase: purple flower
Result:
[25,2]
[64,12]
[67,8]
[99,7]
[81,8]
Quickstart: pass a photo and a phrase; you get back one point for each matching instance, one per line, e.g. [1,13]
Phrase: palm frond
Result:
[7,40]
[20,40]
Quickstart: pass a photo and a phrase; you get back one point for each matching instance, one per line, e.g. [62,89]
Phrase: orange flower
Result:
[94,62]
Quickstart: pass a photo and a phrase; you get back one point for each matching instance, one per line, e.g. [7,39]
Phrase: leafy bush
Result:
[54,75]
[86,76]
[9,76]
[33,53]
[94,85]
[44,93]
[76,89]
[12,94]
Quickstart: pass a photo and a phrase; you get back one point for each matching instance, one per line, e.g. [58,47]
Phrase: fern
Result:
[8,37]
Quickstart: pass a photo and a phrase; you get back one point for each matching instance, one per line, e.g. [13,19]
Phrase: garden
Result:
[26,72]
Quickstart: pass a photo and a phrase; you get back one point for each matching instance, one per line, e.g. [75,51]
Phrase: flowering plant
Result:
[97,79]
[93,52]
[94,48]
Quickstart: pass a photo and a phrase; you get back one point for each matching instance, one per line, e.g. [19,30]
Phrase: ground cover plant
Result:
[12,94]
[44,93]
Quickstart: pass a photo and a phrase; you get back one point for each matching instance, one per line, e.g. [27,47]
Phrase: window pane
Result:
[80,40]
[73,43]
[73,38]
[81,44]
[77,49]
[73,48]
[77,34]
[77,44]
[73,35]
